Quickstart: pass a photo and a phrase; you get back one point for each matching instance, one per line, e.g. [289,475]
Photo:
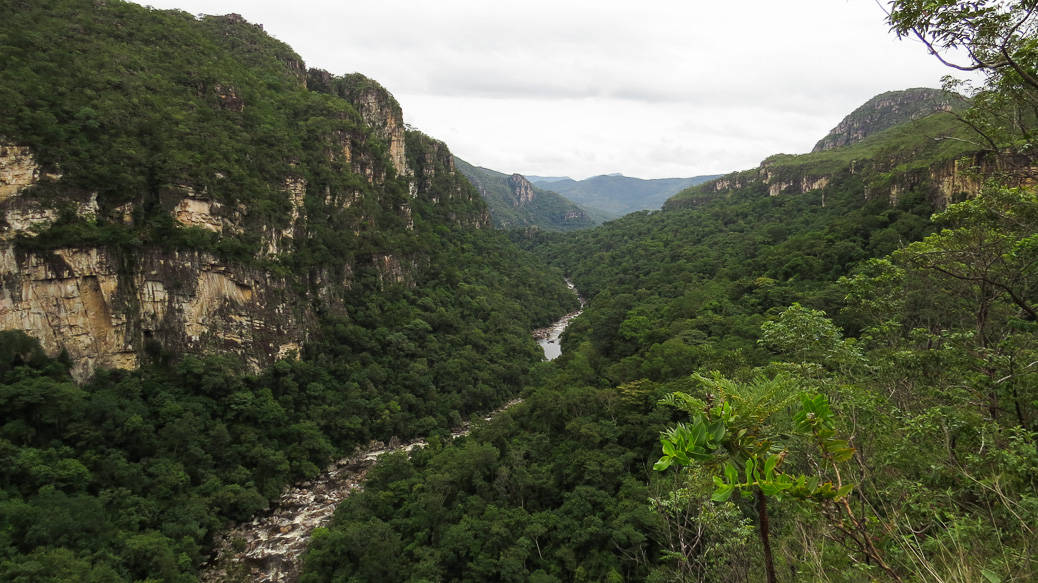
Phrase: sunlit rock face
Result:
[101,312]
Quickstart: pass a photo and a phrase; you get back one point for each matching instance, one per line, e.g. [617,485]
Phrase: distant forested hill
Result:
[516,203]
[614,195]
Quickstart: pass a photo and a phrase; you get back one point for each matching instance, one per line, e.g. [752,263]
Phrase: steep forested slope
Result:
[249,266]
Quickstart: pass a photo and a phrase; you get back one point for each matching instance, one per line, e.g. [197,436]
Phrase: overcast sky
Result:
[579,88]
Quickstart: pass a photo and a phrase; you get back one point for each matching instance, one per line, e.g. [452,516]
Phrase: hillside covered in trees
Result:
[516,203]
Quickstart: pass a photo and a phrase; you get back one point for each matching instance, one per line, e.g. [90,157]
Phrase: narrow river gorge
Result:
[268,549]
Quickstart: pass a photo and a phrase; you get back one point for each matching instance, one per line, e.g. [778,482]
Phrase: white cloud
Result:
[665,88]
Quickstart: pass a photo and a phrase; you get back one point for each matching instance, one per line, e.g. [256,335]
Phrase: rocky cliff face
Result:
[960,178]
[102,312]
[377,107]
[522,190]
[885,111]
[104,307]
[386,119]
[109,306]
[942,182]
[18,169]
[776,180]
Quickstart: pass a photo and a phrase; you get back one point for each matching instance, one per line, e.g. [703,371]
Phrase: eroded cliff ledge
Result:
[109,306]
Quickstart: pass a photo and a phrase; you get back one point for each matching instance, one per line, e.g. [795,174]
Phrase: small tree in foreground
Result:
[736,434]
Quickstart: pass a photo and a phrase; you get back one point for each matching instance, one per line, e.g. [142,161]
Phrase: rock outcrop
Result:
[102,312]
[377,107]
[886,111]
[522,190]
[18,170]
[193,211]
[383,115]
[942,182]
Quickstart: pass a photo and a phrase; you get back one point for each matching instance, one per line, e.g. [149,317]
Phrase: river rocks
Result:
[269,549]
[548,338]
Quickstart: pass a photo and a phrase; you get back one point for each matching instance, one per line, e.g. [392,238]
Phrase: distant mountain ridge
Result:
[517,203]
[541,179]
[615,195]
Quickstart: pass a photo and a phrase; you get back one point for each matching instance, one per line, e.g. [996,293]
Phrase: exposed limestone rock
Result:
[65,300]
[522,190]
[389,269]
[18,170]
[383,114]
[776,186]
[289,348]
[960,178]
[296,189]
[26,217]
[807,183]
[192,211]
[80,300]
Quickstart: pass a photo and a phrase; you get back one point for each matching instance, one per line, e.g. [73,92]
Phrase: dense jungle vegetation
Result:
[766,388]
[933,386]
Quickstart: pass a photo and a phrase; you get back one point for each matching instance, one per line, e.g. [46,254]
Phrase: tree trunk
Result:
[762,521]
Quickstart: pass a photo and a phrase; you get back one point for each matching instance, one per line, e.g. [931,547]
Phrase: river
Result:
[548,338]
[268,549]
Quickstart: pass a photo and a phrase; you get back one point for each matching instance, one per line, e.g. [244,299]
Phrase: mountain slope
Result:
[616,195]
[887,110]
[936,154]
[516,203]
